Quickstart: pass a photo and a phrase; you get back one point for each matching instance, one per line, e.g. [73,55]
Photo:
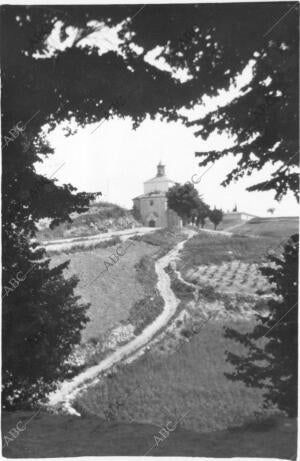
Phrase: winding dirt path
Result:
[89,241]
[69,389]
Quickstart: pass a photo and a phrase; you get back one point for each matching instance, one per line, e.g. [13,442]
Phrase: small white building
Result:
[152,205]
[240,216]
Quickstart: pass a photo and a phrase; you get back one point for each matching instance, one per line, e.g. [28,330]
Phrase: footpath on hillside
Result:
[66,393]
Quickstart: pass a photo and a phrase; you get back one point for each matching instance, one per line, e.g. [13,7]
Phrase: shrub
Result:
[186,332]
[145,311]
[208,292]
[272,364]
[182,290]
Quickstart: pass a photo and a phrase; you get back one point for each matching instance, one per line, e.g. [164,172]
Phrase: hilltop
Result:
[279,227]
[276,227]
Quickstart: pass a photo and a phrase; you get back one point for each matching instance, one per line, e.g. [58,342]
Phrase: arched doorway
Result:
[151,223]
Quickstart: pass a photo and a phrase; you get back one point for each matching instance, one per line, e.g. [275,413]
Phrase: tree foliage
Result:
[184,200]
[264,119]
[272,357]
[201,212]
[136,213]
[216,216]
[42,88]
[223,39]
[75,81]
[42,320]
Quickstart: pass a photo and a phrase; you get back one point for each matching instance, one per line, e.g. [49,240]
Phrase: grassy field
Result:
[192,375]
[114,293]
[182,370]
[191,378]
[228,221]
[249,243]
[206,248]
[61,436]
[270,227]
[111,294]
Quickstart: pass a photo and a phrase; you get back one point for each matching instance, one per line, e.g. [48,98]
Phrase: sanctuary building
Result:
[152,205]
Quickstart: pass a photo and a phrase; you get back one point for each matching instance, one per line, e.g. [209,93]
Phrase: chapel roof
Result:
[159,179]
[151,194]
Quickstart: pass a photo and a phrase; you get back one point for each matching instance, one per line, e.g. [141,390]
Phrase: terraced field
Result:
[233,276]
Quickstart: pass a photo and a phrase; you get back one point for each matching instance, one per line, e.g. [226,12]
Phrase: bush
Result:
[209,293]
[182,290]
[145,311]
[186,332]
[272,364]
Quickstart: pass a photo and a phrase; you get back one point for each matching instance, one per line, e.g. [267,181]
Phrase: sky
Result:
[116,160]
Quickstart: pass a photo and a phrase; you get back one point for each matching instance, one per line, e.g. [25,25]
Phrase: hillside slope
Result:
[101,217]
[270,227]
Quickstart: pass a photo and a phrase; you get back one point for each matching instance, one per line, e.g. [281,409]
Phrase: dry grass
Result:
[270,227]
[186,367]
[114,293]
[180,372]
[189,375]
[205,248]
[111,294]
[190,378]
[250,243]
[100,217]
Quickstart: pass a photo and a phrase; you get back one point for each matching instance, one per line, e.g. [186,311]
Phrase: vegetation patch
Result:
[206,248]
[145,310]
[192,377]
[163,239]
[70,436]
[233,302]
[270,227]
[182,290]
[100,218]
[110,294]
[232,276]
[87,247]
[146,274]
[99,347]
